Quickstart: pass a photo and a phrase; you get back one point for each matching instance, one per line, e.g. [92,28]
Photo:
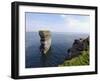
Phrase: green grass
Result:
[82,59]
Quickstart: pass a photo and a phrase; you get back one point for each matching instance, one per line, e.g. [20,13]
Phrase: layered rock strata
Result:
[45,40]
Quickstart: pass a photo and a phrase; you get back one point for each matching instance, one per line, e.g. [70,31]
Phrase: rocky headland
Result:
[78,54]
[78,46]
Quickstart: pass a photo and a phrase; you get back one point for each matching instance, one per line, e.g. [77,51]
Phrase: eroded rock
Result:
[45,40]
[78,46]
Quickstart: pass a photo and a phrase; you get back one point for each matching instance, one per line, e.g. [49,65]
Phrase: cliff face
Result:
[77,47]
[45,40]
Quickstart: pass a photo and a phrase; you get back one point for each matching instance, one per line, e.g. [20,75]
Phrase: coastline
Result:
[78,53]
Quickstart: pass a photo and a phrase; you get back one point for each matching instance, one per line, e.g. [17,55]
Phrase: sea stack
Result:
[45,40]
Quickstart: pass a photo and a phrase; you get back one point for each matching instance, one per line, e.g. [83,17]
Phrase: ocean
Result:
[60,43]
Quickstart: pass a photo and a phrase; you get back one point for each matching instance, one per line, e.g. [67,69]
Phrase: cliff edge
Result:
[78,46]
[78,54]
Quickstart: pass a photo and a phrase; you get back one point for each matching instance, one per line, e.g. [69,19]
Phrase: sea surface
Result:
[60,43]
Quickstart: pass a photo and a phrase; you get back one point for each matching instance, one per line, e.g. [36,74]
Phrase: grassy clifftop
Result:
[78,53]
[82,59]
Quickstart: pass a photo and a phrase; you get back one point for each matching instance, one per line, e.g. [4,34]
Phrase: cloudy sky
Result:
[57,22]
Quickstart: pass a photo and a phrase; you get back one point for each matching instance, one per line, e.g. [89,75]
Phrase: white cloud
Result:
[70,24]
[77,25]
[63,16]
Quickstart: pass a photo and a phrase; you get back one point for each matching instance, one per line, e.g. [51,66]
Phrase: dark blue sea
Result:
[60,43]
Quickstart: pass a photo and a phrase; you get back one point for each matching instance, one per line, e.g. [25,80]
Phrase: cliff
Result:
[82,59]
[45,40]
[78,54]
[77,47]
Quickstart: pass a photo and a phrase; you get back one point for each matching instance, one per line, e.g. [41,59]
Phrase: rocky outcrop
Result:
[77,47]
[45,40]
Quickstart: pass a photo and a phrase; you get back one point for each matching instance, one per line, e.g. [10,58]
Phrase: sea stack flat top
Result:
[44,33]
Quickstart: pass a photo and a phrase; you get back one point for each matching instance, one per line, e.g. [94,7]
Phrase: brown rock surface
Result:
[45,40]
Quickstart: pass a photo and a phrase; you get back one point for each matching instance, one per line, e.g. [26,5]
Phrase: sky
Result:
[57,22]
